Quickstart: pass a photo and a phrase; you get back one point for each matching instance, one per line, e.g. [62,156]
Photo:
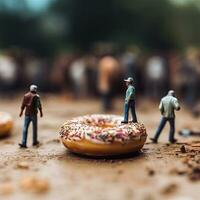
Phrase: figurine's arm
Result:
[22,107]
[40,107]
[176,105]
[161,108]
[131,92]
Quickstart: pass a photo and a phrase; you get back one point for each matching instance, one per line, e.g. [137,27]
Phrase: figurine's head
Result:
[171,93]
[129,81]
[33,88]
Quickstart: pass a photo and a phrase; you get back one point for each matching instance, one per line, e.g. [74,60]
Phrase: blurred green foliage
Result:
[78,25]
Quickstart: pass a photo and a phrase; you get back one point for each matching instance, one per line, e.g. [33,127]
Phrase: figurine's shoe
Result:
[124,122]
[36,143]
[173,141]
[134,121]
[153,140]
[22,145]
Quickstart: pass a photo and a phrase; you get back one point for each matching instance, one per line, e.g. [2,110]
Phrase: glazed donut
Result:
[6,124]
[102,135]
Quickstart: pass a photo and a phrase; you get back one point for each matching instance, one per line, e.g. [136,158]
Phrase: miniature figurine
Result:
[129,101]
[32,104]
[167,106]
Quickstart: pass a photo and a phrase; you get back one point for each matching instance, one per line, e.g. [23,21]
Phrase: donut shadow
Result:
[132,155]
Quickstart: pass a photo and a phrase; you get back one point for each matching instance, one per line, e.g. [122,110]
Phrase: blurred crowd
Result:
[90,75]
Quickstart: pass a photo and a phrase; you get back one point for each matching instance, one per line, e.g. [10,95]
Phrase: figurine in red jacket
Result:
[31,104]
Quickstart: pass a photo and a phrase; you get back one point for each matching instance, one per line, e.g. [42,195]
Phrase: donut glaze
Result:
[101,135]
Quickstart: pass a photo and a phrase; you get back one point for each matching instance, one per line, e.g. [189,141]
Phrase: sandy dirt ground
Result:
[160,171]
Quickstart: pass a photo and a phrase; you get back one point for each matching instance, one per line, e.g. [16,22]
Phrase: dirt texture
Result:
[159,171]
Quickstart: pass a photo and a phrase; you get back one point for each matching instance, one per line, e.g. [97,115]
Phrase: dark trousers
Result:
[127,106]
[162,125]
[27,121]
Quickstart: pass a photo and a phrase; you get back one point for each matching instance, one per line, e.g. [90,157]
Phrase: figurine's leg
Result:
[172,130]
[34,120]
[160,128]
[134,117]
[27,121]
[126,112]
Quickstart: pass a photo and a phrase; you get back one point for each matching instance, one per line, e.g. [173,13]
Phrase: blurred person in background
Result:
[175,61]
[156,77]
[36,71]
[91,74]
[20,56]
[77,73]
[129,64]
[59,78]
[190,75]
[8,73]
[108,72]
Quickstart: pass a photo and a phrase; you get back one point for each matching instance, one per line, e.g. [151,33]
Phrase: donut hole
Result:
[105,125]
[102,124]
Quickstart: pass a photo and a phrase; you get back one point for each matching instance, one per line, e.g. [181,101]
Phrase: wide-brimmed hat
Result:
[129,79]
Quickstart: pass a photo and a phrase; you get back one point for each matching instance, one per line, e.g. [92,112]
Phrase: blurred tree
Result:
[88,21]
[78,24]
[20,28]
[186,25]
[141,22]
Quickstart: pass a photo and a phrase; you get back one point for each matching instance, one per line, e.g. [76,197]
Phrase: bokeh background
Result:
[79,52]
[84,49]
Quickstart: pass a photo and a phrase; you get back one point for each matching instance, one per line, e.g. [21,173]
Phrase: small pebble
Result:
[34,184]
[120,171]
[182,149]
[6,188]
[169,189]
[23,165]
[178,171]
[195,174]
[150,171]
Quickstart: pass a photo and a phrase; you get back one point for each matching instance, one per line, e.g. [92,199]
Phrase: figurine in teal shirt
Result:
[129,101]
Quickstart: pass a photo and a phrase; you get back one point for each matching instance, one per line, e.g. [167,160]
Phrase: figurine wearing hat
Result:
[31,104]
[168,105]
[129,101]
